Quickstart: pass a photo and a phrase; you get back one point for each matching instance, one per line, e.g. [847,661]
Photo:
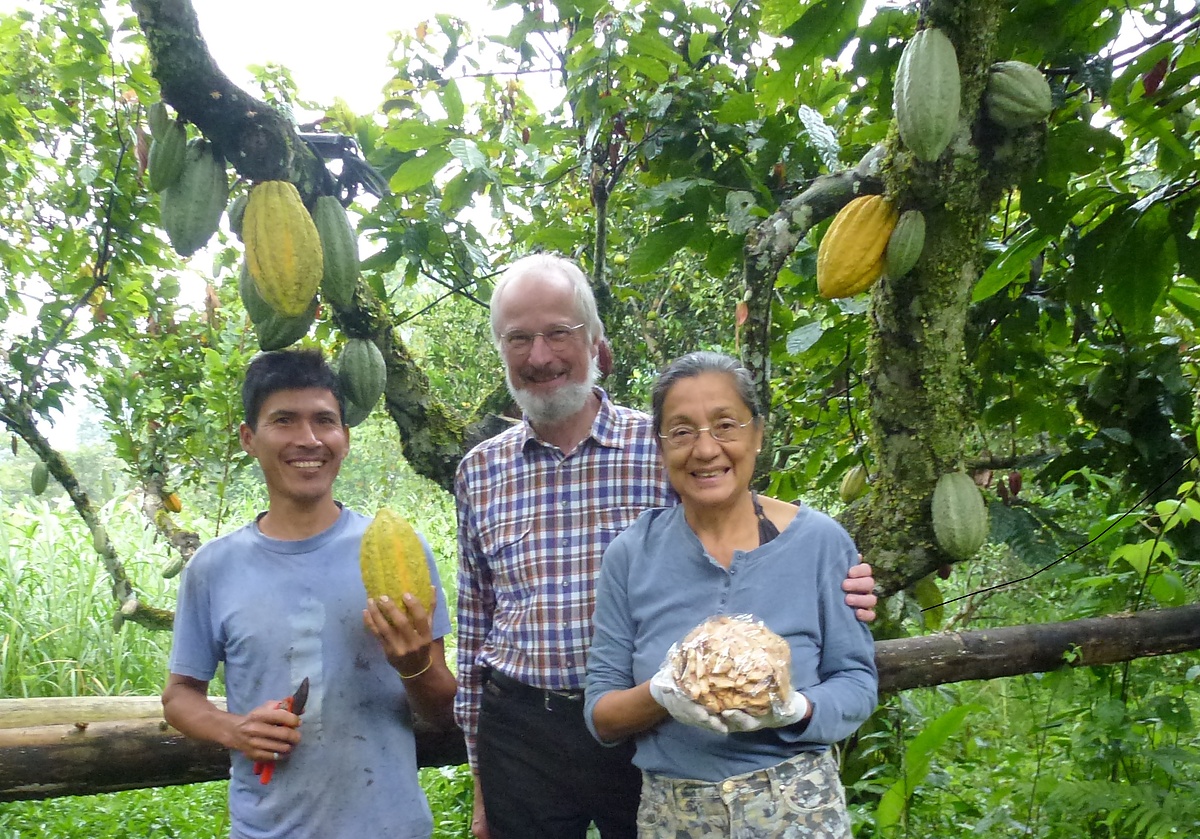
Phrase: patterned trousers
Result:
[801,798]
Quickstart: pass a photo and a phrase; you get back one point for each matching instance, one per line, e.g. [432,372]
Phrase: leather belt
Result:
[547,698]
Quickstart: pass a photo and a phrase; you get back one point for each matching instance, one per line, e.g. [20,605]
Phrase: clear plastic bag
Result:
[733,662]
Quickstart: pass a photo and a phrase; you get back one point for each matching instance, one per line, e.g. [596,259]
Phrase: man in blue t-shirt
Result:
[281,600]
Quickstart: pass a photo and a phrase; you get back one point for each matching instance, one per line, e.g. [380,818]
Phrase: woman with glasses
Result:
[724,550]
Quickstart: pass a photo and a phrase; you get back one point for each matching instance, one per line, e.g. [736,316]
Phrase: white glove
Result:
[667,694]
[790,712]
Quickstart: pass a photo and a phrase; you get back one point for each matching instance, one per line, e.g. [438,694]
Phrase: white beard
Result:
[561,405]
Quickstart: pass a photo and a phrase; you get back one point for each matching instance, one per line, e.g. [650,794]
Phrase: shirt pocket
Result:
[510,549]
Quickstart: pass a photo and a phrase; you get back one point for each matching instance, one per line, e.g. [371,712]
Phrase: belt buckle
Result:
[548,694]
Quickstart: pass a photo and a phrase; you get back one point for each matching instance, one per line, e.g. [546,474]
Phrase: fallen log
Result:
[84,745]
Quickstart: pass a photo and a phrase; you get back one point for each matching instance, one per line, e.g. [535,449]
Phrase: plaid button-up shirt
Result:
[533,524]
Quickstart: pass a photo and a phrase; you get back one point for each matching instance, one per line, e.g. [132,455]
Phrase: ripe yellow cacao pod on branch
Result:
[851,256]
[283,249]
[393,560]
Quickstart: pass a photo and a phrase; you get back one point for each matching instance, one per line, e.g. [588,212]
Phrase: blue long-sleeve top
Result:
[657,583]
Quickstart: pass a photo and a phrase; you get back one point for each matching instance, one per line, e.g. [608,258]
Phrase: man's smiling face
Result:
[300,442]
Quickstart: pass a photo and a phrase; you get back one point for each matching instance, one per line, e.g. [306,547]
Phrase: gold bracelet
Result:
[428,664]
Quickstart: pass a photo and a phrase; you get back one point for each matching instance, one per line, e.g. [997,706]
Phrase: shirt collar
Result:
[607,428]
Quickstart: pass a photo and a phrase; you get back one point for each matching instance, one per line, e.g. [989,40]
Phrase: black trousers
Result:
[543,774]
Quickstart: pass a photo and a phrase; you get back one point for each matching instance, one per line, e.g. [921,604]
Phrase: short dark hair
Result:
[694,364]
[270,372]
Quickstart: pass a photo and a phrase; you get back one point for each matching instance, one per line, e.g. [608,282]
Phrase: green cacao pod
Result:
[339,247]
[854,483]
[850,257]
[167,151]
[192,206]
[158,118]
[236,213]
[960,517]
[39,478]
[1017,94]
[362,372]
[257,308]
[927,94]
[355,413]
[392,560]
[276,331]
[905,244]
[283,248]
[173,568]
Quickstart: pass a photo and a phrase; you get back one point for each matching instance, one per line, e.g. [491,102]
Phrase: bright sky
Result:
[335,50]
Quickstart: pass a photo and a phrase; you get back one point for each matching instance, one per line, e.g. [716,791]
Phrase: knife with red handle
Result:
[294,703]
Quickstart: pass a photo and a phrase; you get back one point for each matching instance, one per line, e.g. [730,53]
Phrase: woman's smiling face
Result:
[708,472]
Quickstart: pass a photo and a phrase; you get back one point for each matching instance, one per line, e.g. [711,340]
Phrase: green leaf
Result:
[651,68]
[660,245]
[738,109]
[469,154]
[918,754]
[1168,588]
[1012,264]
[930,599]
[419,171]
[452,101]
[800,340]
[413,135]
[740,213]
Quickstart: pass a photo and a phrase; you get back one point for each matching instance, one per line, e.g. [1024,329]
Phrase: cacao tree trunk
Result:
[916,360]
[57,747]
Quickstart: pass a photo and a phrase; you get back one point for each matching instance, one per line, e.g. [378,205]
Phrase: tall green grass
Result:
[57,638]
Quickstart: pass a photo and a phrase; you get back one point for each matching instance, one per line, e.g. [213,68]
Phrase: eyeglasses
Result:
[556,336]
[723,431]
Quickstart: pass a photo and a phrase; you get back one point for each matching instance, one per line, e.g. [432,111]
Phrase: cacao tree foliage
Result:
[690,156]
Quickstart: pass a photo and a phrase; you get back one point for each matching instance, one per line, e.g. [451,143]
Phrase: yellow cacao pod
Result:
[172,502]
[393,560]
[851,256]
[283,249]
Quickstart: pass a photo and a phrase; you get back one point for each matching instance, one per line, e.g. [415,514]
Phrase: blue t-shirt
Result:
[657,583]
[276,612]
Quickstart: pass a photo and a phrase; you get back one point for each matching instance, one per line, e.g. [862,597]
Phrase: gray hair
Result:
[539,263]
[696,363]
